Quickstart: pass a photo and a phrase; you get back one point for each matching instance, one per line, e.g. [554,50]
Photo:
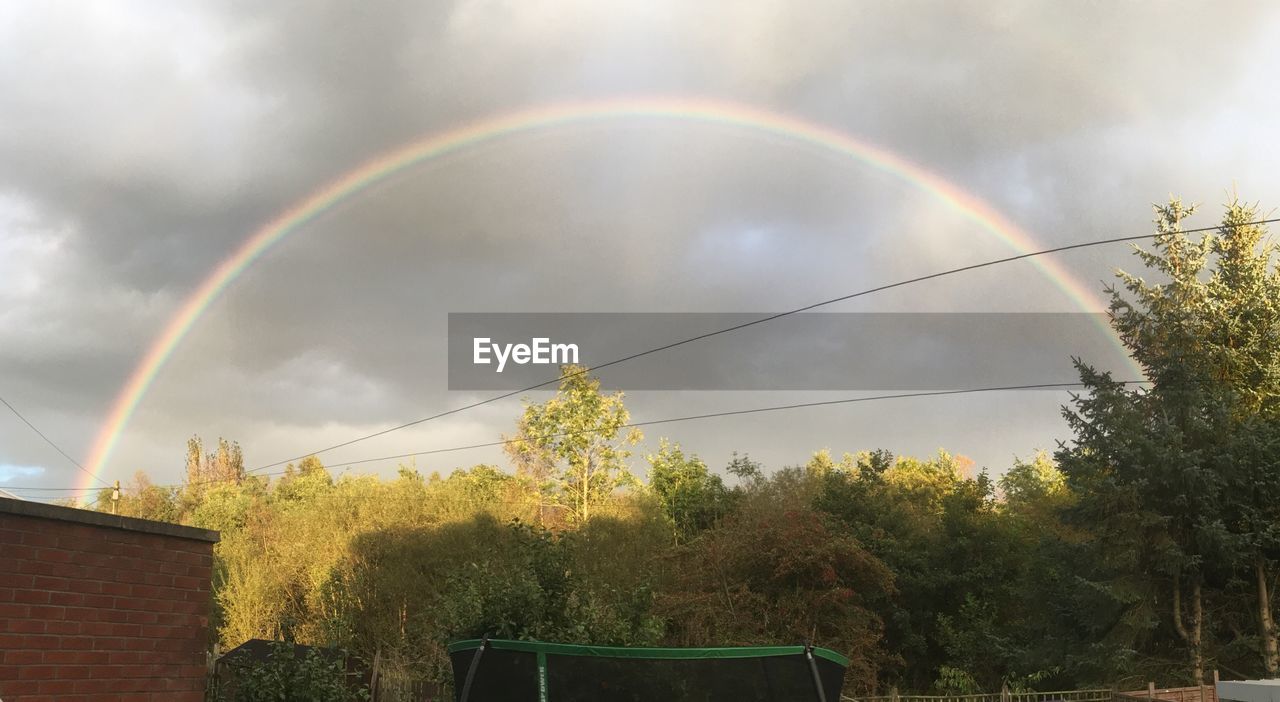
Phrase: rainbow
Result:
[706,111]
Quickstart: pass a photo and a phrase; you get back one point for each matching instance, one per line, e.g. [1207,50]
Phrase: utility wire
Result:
[49,441]
[48,489]
[694,417]
[732,413]
[762,320]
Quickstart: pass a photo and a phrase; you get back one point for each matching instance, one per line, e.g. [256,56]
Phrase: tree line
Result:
[1145,547]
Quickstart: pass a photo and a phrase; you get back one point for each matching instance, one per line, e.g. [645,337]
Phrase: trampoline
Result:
[492,670]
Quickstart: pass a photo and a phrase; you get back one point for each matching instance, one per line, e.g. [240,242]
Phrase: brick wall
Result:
[96,608]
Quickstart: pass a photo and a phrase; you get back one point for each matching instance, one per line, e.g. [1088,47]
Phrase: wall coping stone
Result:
[41,510]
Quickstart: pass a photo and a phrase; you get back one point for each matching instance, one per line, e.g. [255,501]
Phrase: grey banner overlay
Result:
[811,351]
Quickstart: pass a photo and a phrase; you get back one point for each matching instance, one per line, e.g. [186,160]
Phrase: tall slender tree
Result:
[577,439]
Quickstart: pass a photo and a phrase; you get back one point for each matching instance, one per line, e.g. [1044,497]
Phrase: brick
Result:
[77,657]
[56,687]
[63,627]
[24,657]
[53,555]
[32,538]
[20,689]
[115,616]
[188,583]
[78,541]
[13,611]
[15,552]
[144,591]
[38,642]
[15,580]
[66,598]
[126,630]
[45,582]
[158,579]
[118,589]
[99,573]
[37,672]
[31,596]
[91,587]
[26,626]
[172,568]
[73,672]
[136,617]
[62,570]
[99,601]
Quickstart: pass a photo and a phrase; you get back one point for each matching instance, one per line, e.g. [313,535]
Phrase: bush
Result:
[286,677]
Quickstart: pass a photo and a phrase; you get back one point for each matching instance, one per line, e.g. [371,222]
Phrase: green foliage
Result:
[954,681]
[569,445]
[145,500]
[692,497]
[1168,477]
[776,571]
[284,677]
[744,468]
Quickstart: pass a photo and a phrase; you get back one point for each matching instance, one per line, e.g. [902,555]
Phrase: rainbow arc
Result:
[374,171]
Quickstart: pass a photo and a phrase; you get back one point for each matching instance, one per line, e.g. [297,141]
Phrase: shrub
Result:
[286,677]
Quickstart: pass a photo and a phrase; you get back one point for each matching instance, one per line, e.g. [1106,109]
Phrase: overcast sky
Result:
[141,143]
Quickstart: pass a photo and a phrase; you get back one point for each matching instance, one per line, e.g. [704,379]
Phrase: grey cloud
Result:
[153,138]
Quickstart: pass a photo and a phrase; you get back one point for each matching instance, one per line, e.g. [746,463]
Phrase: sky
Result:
[142,143]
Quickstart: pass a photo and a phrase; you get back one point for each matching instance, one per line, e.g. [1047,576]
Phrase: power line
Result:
[48,489]
[688,418]
[49,441]
[732,413]
[762,320]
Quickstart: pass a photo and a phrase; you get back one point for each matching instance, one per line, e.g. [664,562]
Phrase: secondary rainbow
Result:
[542,117]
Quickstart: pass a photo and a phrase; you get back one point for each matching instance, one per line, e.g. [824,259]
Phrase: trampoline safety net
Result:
[533,671]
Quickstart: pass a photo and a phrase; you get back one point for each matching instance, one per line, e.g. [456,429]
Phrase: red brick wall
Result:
[92,613]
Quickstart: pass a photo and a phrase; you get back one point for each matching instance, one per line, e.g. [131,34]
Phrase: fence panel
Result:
[1055,696]
[397,689]
[1200,693]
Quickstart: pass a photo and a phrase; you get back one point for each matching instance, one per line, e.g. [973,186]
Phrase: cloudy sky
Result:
[142,143]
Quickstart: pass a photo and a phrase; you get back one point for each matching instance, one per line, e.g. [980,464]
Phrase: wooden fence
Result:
[1201,693]
[1197,693]
[391,688]
[1005,696]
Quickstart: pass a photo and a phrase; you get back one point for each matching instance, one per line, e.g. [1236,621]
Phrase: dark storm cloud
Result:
[146,140]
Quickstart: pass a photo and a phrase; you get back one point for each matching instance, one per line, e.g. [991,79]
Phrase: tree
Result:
[1154,467]
[304,482]
[775,571]
[573,441]
[691,495]
[224,464]
[745,469]
[1244,355]
[143,499]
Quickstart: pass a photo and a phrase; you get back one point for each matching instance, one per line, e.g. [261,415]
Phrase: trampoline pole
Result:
[813,668]
[471,670]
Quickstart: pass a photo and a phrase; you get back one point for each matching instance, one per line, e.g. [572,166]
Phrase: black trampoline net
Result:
[515,676]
